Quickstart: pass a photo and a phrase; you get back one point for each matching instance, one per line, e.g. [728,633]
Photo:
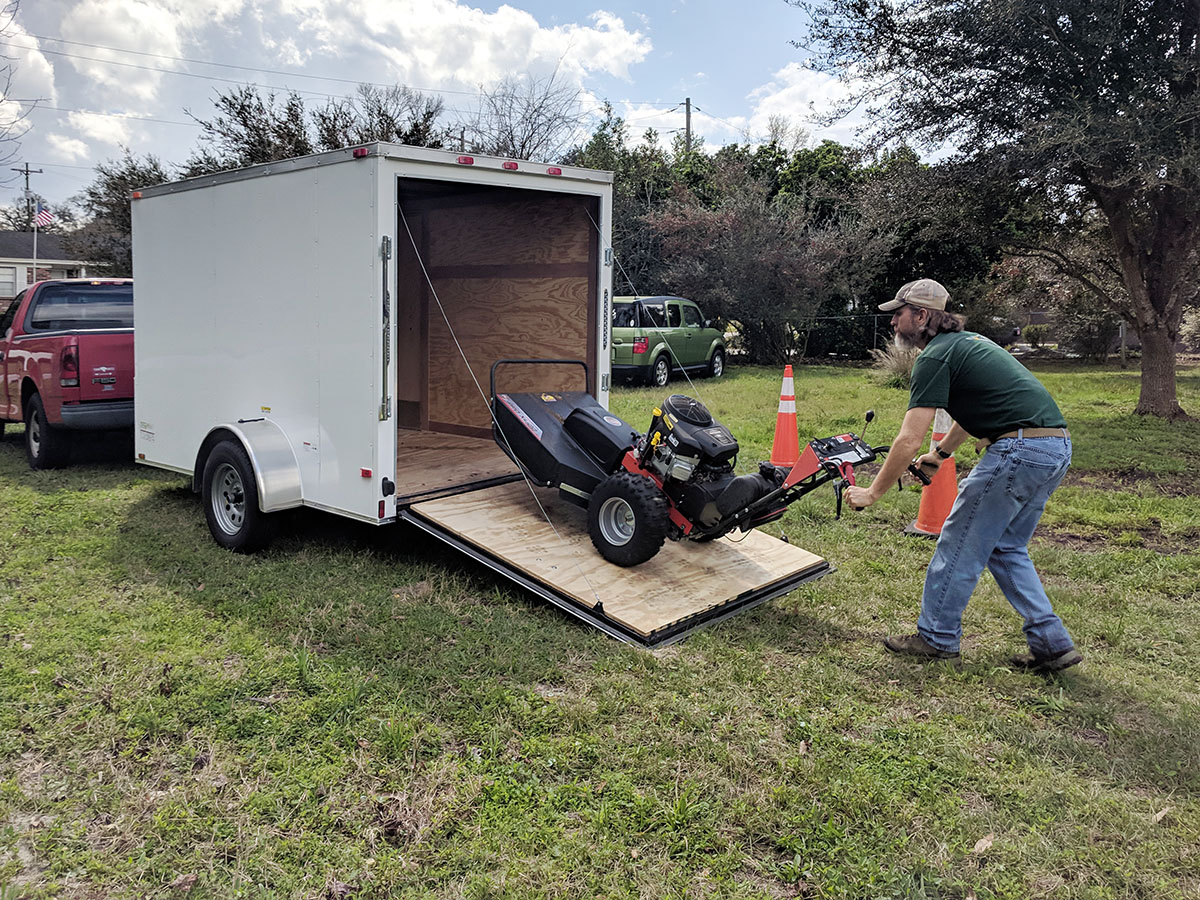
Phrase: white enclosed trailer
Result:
[320,331]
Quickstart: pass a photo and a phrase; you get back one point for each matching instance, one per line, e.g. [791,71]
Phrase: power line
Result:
[205,62]
[113,62]
[89,112]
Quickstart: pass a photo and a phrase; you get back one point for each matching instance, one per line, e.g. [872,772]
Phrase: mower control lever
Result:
[915,471]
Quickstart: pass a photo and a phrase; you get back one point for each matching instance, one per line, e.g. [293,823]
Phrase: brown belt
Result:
[1027,432]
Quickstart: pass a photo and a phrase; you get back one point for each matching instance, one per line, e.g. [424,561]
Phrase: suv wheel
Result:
[660,372]
[716,365]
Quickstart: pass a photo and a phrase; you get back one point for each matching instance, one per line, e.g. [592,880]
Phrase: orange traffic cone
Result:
[938,496]
[785,451]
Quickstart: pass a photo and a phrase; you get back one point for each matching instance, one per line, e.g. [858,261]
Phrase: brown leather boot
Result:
[916,646]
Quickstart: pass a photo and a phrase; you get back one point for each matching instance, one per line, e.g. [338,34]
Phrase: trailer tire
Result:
[231,500]
[660,372]
[627,518]
[44,444]
[716,365]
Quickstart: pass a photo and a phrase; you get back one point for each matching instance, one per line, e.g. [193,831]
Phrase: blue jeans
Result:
[993,518]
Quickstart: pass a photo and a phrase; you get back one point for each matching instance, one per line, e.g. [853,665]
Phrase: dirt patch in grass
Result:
[1133,480]
[1140,538]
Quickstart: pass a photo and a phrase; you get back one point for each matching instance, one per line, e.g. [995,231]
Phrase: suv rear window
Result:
[625,315]
[654,315]
[61,307]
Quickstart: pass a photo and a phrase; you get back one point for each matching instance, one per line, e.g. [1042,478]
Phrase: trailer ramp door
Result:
[685,586]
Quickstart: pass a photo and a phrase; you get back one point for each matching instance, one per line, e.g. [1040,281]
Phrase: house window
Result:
[8,281]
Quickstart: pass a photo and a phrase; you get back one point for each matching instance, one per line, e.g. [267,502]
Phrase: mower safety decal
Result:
[520,414]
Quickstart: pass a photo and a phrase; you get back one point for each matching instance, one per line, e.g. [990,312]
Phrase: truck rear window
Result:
[62,307]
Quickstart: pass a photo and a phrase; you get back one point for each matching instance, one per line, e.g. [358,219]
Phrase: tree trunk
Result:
[1155,236]
[1158,376]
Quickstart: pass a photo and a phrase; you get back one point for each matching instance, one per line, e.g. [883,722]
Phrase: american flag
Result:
[44,217]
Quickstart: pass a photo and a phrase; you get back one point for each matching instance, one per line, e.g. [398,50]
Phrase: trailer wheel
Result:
[660,372]
[231,500]
[43,443]
[716,365]
[627,518]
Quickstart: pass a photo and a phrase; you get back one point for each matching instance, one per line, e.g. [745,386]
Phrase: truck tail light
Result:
[641,345]
[69,366]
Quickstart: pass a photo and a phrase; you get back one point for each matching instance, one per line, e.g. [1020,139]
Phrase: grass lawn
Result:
[358,712]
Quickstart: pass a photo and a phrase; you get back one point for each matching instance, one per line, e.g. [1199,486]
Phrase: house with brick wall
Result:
[18,269]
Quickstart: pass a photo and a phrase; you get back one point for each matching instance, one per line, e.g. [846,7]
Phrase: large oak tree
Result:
[1092,101]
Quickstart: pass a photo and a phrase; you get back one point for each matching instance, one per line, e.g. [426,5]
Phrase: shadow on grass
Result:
[392,598]
[97,460]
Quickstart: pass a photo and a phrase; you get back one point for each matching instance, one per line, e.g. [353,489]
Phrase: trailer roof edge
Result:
[382,150]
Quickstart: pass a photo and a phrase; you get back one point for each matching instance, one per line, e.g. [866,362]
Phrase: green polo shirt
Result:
[981,386]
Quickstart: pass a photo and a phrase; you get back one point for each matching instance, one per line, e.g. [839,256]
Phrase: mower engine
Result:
[693,457]
[676,481]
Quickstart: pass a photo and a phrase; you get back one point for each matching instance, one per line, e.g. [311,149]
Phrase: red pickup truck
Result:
[66,354]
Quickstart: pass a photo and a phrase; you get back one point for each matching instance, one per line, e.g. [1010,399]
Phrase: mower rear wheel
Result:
[627,518]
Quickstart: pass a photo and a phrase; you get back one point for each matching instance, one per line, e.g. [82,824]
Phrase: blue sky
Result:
[95,96]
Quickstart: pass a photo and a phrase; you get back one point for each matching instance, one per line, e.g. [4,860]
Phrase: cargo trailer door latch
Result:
[385,401]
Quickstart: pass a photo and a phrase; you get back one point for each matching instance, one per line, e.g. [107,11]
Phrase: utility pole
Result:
[26,171]
[687,132]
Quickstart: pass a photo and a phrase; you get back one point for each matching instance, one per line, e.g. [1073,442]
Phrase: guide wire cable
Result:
[487,404]
[738,466]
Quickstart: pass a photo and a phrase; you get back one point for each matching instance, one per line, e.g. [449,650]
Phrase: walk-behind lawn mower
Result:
[676,480]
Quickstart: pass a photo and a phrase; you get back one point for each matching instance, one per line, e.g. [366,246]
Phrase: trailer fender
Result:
[276,471]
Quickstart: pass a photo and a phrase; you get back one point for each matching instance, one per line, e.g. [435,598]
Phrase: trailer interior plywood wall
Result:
[516,276]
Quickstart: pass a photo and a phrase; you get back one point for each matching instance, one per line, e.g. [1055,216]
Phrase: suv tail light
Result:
[69,366]
[641,345]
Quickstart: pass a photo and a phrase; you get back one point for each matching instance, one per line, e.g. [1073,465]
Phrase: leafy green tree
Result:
[744,256]
[105,238]
[250,129]
[1089,101]
[642,181]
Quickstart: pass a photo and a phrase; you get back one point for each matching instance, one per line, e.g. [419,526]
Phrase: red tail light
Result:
[69,366]
[641,345]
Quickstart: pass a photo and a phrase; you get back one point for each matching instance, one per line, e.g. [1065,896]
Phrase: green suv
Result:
[654,336]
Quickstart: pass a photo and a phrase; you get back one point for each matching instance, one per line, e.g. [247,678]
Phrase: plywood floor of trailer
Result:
[431,464]
[685,584]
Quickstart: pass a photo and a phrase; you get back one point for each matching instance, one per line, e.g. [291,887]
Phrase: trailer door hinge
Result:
[385,249]
[608,257]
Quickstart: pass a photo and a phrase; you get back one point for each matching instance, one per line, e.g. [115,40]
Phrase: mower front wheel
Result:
[627,518]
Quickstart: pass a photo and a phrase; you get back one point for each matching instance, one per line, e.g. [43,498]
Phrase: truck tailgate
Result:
[685,586]
[106,366]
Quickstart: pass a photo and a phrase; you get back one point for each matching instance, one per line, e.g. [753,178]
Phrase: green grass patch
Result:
[359,712]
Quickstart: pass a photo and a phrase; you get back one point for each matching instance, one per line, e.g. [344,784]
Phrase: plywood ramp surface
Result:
[683,581]
[430,463]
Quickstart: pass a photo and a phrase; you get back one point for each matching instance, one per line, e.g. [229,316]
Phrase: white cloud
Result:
[105,129]
[68,149]
[148,27]
[802,95]
[446,43]
[32,75]
[10,114]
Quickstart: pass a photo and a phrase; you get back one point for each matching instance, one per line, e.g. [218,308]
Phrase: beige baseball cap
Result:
[924,292]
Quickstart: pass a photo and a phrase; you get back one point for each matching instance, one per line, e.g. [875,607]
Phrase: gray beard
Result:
[904,343]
